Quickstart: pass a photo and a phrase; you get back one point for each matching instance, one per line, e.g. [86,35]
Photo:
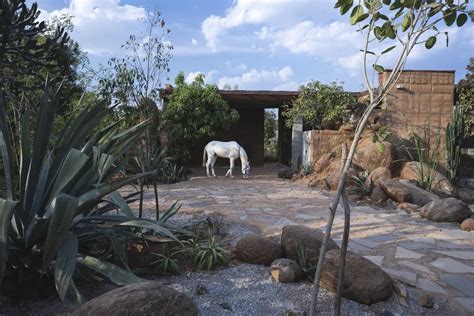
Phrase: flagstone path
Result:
[433,257]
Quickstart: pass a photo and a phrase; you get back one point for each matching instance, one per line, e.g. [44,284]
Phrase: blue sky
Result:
[254,44]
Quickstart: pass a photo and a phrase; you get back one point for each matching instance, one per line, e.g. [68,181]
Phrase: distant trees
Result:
[194,112]
[465,98]
[318,103]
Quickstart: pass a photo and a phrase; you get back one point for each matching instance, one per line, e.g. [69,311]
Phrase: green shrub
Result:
[318,102]
[59,197]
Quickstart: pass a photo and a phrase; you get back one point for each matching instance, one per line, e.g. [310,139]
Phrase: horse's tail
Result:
[204,157]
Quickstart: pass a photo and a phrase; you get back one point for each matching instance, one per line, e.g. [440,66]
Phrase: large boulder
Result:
[411,171]
[376,175]
[466,194]
[146,298]
[286,270]
[418,195]
[395,190]
[364,281]
[468,224]
[378,195]
[446,210]
[323,162]
[294,237]
[332,180]
[369,155]
[257,249]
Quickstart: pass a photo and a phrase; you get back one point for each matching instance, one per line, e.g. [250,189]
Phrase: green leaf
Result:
[389,30]
[70,167]
[386,2]
[449,17]
[44,128]
[92,197]
[156,227]
[362,17]
[65,264]
[356,13]
[461,20]
[5,147]
[378,68]
[7,208]
[368,52]
[117,199]
[61,211]
[388,49]
[430,42]
[112,272]
[26,148]
[407,20]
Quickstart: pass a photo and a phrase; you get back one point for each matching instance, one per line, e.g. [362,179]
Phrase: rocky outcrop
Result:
[395,190]
[468,224]
[378,195]
[377,175]
[146,298]
[323,162]
[446,210]
[258,250]
[286,270]
[369,155]
[411,171]
[418,195]
[409,207]
[364,281]
[305,238]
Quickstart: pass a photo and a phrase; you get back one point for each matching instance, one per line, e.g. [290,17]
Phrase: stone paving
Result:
[437,258]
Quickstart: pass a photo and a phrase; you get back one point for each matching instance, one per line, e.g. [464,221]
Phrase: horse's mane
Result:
[243,153]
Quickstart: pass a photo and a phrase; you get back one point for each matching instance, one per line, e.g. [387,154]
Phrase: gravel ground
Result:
[249,290]
[240,289]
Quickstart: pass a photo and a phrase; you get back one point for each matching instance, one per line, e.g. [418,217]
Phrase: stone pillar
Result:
[297,143]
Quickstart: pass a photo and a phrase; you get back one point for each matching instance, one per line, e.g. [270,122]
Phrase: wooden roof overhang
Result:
[258,98]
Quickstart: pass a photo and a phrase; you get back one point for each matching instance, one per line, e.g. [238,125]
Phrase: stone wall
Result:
[324,141]
[422,102]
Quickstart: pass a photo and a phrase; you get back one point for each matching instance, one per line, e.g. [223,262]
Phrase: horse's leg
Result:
[213,162]
[231,167]
[208,165]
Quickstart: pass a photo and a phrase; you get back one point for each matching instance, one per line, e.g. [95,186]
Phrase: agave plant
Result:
[59,195]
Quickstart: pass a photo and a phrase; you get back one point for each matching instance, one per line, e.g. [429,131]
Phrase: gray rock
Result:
[468,224]
[378,195]
[446,210]
[395,190]
[376,175]
[425,300]
[441,184]
[258,250]
[418,195]
[364,281]
[409,207]
[308,239]
[145,298]
[286,270]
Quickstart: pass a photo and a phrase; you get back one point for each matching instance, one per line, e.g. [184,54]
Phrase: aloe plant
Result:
[60,195]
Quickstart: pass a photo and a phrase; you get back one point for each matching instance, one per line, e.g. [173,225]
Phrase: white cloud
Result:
[102,26]
[283,12]
[194,42]
[254,77]
[208,77]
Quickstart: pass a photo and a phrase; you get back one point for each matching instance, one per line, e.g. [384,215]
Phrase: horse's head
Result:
[246,170]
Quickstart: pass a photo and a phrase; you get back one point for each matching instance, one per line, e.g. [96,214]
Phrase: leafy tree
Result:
[270,126]
[465,98]
[318,102]
[389,27]
[194,112]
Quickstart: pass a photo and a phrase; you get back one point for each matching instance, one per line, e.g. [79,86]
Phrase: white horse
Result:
[231,150]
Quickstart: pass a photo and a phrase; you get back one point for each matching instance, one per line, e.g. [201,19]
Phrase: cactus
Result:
[454,137]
